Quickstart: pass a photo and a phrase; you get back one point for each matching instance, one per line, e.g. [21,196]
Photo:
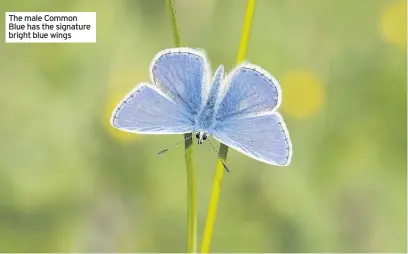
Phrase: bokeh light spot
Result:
[303,94]
[394,24]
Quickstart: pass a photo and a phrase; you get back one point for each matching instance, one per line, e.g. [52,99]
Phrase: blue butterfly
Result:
[239,110]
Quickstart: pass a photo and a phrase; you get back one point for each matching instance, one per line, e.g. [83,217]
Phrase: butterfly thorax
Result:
[206,118]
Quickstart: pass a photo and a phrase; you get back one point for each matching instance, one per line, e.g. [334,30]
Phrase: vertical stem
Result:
[246,31]
[173,21]
[219,170]
[191,196]
[188,150]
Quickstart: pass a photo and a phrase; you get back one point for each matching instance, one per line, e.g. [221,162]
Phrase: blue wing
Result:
[182,74]
[145,110]
[263,137]
[248,90]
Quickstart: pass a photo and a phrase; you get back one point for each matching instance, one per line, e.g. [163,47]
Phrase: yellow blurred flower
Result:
[394,23]
[119,85]
[303,94]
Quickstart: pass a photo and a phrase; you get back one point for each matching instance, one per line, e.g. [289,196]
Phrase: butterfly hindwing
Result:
[145,110]
[263,137]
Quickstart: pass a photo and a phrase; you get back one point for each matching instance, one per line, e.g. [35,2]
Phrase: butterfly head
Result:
[201,136]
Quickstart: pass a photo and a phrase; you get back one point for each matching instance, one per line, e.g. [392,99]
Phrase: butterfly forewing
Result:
[249,90]
[184,75]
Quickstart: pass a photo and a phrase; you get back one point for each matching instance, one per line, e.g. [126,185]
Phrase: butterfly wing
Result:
[246,117]
[182,74]
[248,90]
[146,110]
[263,137]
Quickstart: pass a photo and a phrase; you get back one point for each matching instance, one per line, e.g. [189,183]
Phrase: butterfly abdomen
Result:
[206,117]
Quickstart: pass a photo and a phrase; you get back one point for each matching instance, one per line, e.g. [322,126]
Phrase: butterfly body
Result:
[239,110]
[206,118]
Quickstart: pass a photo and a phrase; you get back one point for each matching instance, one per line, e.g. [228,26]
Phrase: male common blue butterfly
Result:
[239,110]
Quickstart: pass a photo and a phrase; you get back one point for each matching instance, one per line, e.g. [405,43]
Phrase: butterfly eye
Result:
[197,135]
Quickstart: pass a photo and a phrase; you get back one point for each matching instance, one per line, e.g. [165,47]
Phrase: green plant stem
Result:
[188,150]
[219,170]
[191,196]
[173,21]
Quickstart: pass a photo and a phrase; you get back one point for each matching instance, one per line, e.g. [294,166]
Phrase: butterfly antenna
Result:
[219,157]
[174,145]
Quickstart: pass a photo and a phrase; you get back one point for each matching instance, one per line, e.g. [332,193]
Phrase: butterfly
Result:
[238,109]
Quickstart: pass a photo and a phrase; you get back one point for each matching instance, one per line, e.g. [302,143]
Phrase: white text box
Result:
[50,27]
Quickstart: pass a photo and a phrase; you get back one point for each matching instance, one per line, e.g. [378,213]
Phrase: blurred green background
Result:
[71,183]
